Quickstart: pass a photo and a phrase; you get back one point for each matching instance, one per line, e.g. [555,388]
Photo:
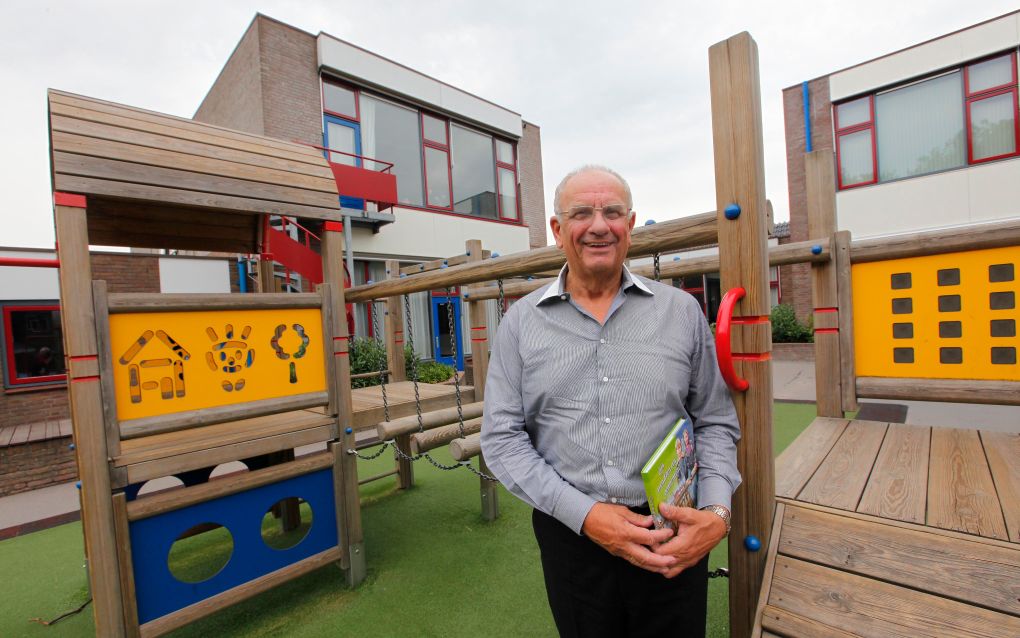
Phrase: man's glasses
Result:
[610,213]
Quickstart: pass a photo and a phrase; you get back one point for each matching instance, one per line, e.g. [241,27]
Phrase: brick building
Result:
[923,138]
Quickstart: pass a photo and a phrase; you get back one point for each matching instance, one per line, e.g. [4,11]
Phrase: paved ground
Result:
[792,381]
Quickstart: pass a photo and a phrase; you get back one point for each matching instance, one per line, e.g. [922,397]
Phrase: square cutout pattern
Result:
[1003,328]
[949,303]
[950,329]
[902,306]
[903,331]
[950,355]
[903,355]
[949,277]
[1000,272]
[901,281]
[1004,356]
[1002,300]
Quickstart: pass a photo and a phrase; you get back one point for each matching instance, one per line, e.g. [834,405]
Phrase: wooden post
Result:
[78,324]
[844,294]
[345,470]
[743,259]
[480,368]
[394,322]
[821,205]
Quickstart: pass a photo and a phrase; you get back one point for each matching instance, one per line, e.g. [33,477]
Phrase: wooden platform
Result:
[368,402]
[894,530]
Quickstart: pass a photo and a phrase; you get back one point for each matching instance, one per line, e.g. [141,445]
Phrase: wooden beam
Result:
[437,264]
[695,230]
[185,302]
[466,448]
[743,256]
[478,319]
[405,425]
[998,234]
[431,439]
[820,179]
[124,562]
[394,325]
[947,390]
[845,298]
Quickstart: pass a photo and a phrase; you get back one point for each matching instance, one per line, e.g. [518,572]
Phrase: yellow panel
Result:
[927,346]
[168,362]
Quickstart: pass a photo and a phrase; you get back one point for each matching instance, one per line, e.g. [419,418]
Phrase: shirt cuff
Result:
[572,508]
[714,490]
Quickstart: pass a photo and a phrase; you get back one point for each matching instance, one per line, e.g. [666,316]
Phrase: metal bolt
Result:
[732,211]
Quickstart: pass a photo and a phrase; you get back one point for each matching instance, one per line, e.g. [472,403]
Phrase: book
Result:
[671,473]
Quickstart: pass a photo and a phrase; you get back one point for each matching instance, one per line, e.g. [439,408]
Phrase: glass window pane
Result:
[435,129]
[992,126]
[855,159]
[920,128]
[339,100]
[474,173]
[504,152]
[341,138]
[437,175]
[507,193]
[990,73]
[37,344]
[390,133]
[856,112]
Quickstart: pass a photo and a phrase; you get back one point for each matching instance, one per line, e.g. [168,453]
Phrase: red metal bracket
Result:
[722,339]
[68,199]
[333,227]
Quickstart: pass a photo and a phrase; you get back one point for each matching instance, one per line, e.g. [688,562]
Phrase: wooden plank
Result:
[65,427]
[961,494]
[691,231]
[186,302]
[898,487]
[1003,452]
[478,320]
[52,431]
[111,424]
[112,224]
[168,195]
[795,626]
[209,243]
[840,479]
[368,418]
[437,264]
[20,434]
[844,293]
[79,330]
[433,419]
[800,460]
[948,390]
[963,570]
[466,449]
[199,610]
[127,570]
[770,566]
[6,434]
[431,439]
[821,203]
[70,164]
[36,432]
[868,607]
[168,501]
[1002,233]
[206,457]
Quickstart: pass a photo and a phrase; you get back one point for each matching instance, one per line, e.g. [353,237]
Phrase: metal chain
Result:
[428,457]
[655,261]
[500,309]
[450,319]
[721,572]
[382,360]
[365,457]
[414,360]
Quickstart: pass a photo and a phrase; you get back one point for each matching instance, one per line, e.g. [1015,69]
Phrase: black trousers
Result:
[593,593]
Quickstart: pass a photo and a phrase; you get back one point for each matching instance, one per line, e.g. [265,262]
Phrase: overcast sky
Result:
[622,84]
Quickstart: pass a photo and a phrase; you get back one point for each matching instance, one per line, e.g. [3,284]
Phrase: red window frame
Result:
[356,117]
[868,125]
[12,369]
[437,146]
[517,187]
[1009,88]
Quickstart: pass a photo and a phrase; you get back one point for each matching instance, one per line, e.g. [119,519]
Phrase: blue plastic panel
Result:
[159,593]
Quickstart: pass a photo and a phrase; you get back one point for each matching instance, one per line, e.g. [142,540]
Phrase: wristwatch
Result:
[721,512]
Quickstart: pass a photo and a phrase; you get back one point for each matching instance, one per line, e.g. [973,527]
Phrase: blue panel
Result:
[159,593]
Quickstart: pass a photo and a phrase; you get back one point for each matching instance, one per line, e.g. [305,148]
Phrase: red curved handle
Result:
[722,339]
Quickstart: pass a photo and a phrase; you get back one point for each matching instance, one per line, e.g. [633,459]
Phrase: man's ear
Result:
[554,224]
[633,218]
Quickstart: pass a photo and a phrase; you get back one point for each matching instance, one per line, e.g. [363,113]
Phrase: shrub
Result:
[367,355]
[786,328]
[433,372]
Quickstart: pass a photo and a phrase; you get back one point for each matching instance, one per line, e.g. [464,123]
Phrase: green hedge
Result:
[369,355]
[787,329]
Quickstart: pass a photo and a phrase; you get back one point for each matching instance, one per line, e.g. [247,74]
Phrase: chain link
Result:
[655,261]
[366,457]
[382,359]
[450,320]
[721,572]
[414,360]
[501,308]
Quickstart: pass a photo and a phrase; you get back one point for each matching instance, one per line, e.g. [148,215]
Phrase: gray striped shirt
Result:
[573,408]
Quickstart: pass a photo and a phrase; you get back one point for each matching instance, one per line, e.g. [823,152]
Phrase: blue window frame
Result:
[442,340]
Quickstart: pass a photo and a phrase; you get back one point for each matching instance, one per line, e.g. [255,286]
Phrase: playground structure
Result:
[252,377]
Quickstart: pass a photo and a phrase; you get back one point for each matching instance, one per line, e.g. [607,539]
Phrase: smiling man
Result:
[587,375]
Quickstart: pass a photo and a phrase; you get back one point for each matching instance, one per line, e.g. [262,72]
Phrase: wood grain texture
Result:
[868,607]
[961,494]
[368,410]
[104,365]
[936,242]
[438,437]
[770,565]
[898,486]
[478,320]
[840,479]
[948,390]
[1003,452]
[85,398]
[394,326]
[791,625]
[466,448]
[799,461]
[124,563]
[844,294]
[182,302]
[963,570]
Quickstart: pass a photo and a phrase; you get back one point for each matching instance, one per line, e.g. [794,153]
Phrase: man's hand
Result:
[623,533]
[697,532]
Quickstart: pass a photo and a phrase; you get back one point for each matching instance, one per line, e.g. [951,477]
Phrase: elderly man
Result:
[587,376]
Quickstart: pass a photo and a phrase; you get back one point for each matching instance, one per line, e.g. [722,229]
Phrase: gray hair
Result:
[590,168]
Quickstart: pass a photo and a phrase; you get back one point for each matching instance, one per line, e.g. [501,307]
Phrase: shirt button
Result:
[602,340]
[605,379]
[609,462]
[613,500]
[563,297]
[607,419]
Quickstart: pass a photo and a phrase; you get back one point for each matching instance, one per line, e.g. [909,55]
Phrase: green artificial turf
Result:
[434,569]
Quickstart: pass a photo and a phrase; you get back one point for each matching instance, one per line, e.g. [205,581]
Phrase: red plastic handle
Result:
[722,339]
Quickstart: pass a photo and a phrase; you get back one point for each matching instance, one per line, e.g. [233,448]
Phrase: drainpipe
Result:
[242,275]
[806,99]
[349,246]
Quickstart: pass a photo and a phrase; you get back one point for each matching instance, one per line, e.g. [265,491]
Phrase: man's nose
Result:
[598,223]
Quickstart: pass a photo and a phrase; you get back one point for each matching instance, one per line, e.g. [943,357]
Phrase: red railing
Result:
[27,262]
[379,187]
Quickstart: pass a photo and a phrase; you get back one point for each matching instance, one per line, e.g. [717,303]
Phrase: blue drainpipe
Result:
[242,275]
[806,99]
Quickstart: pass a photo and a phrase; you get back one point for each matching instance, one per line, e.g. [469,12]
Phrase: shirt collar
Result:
[557,288]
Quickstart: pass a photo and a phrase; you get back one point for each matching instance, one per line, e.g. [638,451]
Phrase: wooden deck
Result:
[894,530]
[368,402]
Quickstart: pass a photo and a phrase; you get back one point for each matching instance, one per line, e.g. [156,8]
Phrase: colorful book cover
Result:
[671,474]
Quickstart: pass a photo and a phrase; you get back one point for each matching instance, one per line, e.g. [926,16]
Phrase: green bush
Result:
[433,372]
[786,328]
[368,355]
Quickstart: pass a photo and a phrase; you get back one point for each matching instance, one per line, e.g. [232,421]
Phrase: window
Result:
[506,170]
[390,133]
[474,173]
[33,344]
[437,162]
[960,117]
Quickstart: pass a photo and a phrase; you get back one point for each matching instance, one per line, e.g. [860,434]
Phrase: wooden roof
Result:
[158,181]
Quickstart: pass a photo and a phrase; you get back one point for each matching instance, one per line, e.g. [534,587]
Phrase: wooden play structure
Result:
[175,385]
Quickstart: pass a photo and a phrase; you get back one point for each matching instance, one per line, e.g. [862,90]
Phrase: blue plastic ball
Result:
[816,250]
[752,543]
[71,447]
[78,485]
[349,430]
[649,222]
[495,254]
[732,211]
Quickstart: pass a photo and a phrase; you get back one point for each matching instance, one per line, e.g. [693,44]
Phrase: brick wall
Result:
[235,99]
[36,465]
[529,166]
[290,82]
[31,406]
[127,272]
[796,278]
